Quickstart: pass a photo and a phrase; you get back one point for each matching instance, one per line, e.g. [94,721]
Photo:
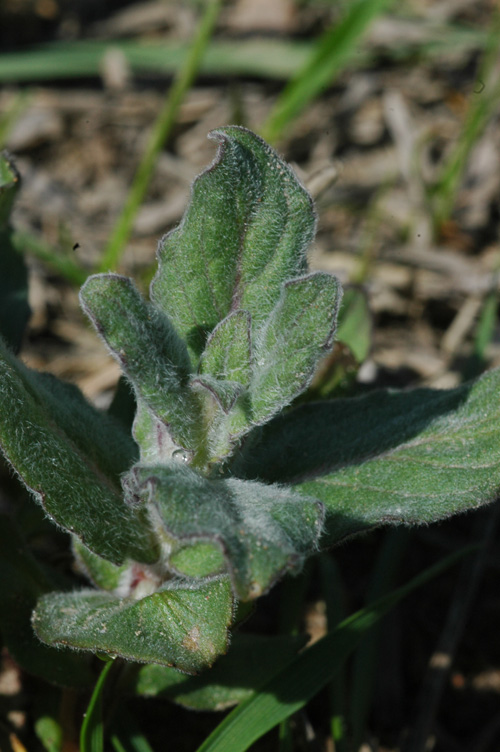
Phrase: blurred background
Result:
[389,113]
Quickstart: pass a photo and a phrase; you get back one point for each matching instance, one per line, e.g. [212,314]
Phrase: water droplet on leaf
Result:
[180,455]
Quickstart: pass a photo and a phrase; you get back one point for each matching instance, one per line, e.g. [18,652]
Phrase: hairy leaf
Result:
[70,456]
[246,229]
[224,375]
[388,457]
[148,349]
[261,530]
[184,624]
[226,416]
[228,352]
[297,334]
[152,435]
[223,393]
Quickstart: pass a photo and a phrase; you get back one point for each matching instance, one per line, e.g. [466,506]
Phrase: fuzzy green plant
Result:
[225,484]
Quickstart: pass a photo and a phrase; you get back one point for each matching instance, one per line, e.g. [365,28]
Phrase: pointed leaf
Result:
[183,624]
[148,349]
[251,661]
[70,456]
[225,373]
[388,457]
[227,355]
[261,530]
[23,582]
[298,333]
[246,229]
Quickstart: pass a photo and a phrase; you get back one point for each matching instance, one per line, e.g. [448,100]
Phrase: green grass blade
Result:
[25,242]
[333,593]
[366,657]
[333,51]
[92,731]
[291,689]
[159,135]
[485,330]
[293,595]
[483,104]
[268,59]
[477,362]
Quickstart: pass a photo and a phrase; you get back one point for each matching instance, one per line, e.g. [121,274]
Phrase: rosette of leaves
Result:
[225,486]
